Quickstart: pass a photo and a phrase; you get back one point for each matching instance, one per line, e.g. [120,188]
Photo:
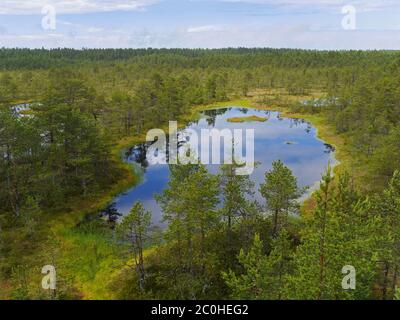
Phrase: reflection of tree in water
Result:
[244,110]
[212,115]
[296,122]
[193,122]
[111,214]
[329,148]
[138,154]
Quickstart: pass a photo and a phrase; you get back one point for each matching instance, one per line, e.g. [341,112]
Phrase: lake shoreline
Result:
[63,222]
[324,132]
[272,142]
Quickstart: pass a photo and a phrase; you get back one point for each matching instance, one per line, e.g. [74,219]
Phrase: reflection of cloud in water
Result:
[307,157]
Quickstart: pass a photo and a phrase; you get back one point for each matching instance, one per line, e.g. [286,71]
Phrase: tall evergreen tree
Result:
[236,191]
[387,205]
[337,235]
[135,229]
[189,206]
[280,190]
[264,276]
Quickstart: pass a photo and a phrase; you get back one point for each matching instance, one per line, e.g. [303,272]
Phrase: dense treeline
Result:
[60,147]
[14,59]
[219,242]
[365,107]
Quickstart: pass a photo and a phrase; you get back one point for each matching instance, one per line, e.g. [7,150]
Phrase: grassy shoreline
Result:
[73,244]
[325,132]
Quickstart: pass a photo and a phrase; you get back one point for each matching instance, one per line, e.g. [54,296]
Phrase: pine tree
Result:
[173,206]
[30,214]
[236,191]
[135,229]
[264,275]
[279,265]
[388,206]
[280,190]
[189,206]
[250,284]
[340,233]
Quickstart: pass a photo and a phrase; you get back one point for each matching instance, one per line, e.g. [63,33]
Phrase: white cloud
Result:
[94,29]
[366,5]
[80,27]
[207,28]
[297,36]
[71,6]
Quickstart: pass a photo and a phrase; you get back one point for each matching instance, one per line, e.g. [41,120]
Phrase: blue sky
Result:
[310,24]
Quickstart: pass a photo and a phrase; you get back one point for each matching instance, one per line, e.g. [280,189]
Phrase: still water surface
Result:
[290,140]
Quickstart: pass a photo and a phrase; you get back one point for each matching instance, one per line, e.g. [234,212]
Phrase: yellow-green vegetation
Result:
[348,159]
[100,261]
[247,119]
[60,168]
[244,102]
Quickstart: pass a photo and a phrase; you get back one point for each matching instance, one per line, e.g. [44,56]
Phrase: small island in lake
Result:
[247,119]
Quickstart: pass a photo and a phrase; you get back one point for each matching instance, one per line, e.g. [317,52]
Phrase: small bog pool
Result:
[291,140]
